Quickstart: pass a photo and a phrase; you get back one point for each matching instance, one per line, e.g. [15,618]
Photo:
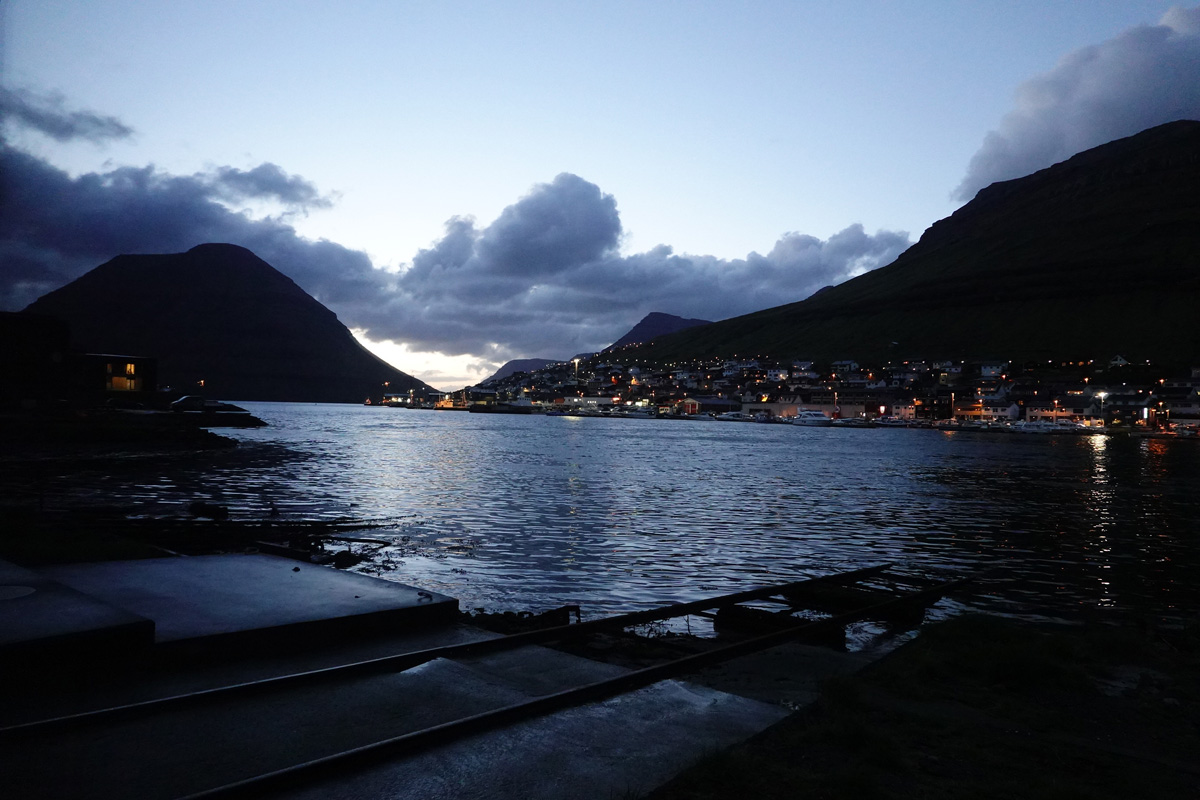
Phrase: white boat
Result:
[734,416]
[850,422]
[891,422]
[812,419]
[1032,426]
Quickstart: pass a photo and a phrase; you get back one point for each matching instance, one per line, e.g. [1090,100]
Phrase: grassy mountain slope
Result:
[220,314]
[1094,256]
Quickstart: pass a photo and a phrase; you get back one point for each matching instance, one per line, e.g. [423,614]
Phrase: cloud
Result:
[47,114]
[544,279]
[1145,76]
[266,182]
[55,228]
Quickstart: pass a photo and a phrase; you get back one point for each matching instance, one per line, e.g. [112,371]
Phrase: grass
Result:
[982,707]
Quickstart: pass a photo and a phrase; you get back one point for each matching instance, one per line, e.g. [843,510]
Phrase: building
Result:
[116,379]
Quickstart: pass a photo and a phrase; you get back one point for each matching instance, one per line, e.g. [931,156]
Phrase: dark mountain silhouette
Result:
[518,365]
[1094,256]
[655,324]
[221,315]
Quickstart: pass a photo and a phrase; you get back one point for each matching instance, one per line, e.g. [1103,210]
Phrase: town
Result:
[1113,394]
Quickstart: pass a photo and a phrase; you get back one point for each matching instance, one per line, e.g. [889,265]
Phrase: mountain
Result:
[221,315]
[655,324]
[518,365]
[1095,256]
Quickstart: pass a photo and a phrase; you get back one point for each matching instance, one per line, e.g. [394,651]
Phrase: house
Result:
[707,404]
[1054,410]
[734,368]
[117,375]
[1126,408]
[993,369]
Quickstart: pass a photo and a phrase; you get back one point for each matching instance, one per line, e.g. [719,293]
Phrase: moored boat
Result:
[811,418]
[522,405]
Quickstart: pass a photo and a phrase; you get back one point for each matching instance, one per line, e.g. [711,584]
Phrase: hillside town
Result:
[1109,394]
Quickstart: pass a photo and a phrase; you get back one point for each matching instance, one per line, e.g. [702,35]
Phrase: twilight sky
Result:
[465,183]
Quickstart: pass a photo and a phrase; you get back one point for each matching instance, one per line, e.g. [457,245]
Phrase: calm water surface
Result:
[513,512]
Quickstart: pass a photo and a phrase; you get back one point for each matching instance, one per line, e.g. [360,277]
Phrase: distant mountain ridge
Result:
[221,315]
[653,325]
[518,365]
[1095,256]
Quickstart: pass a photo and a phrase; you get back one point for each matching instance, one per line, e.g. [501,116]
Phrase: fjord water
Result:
[530,512]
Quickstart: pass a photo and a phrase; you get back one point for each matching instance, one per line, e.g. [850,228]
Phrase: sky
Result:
[467,183]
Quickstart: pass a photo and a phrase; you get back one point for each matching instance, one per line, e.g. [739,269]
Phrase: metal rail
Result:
[416,741]
[402,661]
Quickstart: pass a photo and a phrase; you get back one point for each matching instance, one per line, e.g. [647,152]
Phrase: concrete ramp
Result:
[43,618]
[619,748]
[225,599]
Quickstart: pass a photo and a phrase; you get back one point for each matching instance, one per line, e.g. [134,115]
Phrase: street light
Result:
[1102,395]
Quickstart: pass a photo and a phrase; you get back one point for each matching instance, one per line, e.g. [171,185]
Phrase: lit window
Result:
[129,369]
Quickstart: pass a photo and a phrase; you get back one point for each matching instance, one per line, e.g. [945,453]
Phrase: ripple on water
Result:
[523,512]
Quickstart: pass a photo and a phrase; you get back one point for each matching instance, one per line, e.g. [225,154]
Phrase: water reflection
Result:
[519,512]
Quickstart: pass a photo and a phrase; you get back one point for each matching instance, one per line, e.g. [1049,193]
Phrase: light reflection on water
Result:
[510,512]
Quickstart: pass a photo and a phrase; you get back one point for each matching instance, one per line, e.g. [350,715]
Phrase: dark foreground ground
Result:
[981,707]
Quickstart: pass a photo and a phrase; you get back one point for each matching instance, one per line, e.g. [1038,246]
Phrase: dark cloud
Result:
[267,182]
[1146,76]
[545,279]
[569,221]
[55,227]
[47,114]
